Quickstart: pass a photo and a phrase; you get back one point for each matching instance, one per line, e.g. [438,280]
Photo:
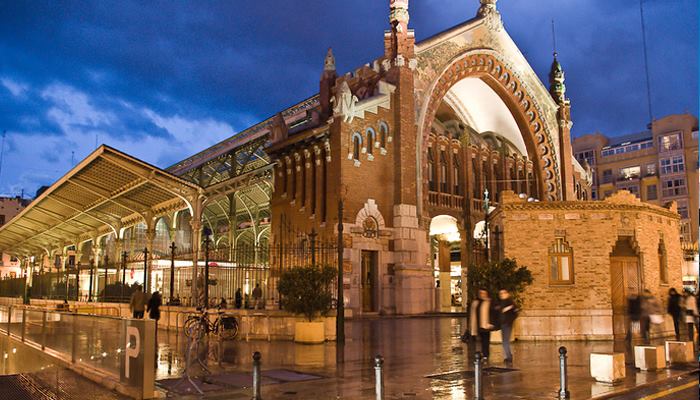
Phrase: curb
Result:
[622,392]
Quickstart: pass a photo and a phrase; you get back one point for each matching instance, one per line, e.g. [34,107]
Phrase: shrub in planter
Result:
[307,290]
[497,275]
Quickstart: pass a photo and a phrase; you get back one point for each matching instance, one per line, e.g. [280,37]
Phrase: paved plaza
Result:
[423,359]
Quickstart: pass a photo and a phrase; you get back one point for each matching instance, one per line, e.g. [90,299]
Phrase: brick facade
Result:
[583,309]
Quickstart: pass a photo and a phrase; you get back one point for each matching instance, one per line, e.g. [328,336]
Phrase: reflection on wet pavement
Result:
[414,350]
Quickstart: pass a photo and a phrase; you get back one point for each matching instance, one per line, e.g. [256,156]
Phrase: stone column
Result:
[196,226]
[445,276]
[150,237]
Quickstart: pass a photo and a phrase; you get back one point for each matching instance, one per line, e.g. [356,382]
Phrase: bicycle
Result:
[225,326]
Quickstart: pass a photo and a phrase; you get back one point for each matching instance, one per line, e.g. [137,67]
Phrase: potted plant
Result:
[307,291]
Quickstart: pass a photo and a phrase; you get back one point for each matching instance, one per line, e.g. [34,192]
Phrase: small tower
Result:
[558,91]
[399,41]
[327,82]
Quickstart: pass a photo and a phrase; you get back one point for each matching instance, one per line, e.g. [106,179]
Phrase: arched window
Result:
[457,175]
[371,136]
[431,170]
[663,266]
[383,134]
[561,263]
[443,172]
[356,146]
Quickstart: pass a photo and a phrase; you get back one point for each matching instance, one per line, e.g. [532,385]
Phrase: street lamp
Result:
[207,233]
[340,307]
[486,223]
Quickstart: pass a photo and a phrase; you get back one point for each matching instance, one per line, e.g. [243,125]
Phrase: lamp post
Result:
[124,256]
[340,318]
[207,233]
[104,294]
[172,271]
[90,282]
[145,269]
[486,224]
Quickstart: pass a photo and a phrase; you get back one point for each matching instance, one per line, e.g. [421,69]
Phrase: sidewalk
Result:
[424,359]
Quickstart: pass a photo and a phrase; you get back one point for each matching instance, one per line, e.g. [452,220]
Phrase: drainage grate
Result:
[469,375]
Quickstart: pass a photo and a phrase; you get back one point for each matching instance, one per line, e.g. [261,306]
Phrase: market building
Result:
[419,146]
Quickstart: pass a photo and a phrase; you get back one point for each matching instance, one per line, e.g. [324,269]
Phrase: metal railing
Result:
[86,342]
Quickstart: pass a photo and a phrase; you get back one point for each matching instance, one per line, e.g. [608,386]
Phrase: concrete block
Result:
[679,352]
[608,367]
[649,358]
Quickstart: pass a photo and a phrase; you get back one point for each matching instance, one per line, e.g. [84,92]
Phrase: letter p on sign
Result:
[131,352]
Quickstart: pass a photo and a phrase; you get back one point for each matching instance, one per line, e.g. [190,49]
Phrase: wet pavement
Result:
[423,359]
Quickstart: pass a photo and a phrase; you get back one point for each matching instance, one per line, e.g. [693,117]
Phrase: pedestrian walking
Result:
[238,299]
[509,313]
[634,309]
[222,304]
[481,320]
[137,303]
[691,314]
[257,296]
[674,309]
[153,306]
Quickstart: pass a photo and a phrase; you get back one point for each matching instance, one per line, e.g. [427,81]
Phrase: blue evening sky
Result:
[162,80]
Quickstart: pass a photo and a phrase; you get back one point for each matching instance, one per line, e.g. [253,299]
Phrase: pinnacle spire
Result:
[398,14]
[487,8]
[556,81]
[329,62]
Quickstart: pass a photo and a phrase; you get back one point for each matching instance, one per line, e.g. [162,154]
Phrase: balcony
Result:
[446,200]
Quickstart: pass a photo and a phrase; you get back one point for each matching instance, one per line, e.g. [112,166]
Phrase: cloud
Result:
[16,88]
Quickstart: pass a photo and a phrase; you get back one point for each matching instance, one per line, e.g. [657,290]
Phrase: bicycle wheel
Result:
[196,330]
[228,330]
[187,327]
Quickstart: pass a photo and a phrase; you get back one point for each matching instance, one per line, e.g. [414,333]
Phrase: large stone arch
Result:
[529,115]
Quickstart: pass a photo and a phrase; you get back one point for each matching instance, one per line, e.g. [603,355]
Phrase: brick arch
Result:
[522,105]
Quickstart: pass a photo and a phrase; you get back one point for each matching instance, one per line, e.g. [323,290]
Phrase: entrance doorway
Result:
[369,280]
[625,281]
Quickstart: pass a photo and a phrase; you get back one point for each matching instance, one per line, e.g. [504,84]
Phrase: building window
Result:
[594,194]
[607,176]
[651,192]
[561,263]
[383,134]
[630,172]
[646,145]
[356,146]
[431,170]
[443,172]
[371,136]
[673,187]
[607,152]
[456,175]
[670,142]
[586,156]
[683,209]
[672,165]
[685,232]
[663,267]
[651,169]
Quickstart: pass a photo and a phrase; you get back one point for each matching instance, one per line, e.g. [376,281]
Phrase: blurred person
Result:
[691,313]
[675,310]
[634,309]
[257,296]
[137,303]
[481,321]
[238,298]
[508,314]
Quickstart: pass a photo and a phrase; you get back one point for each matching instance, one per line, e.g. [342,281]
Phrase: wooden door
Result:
[624,281]
[369,273]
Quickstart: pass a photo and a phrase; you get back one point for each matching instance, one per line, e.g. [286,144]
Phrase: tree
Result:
[307,290]
[496,275]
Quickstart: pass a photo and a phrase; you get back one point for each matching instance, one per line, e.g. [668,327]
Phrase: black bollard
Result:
[478,388]
[257,376]
[563,386]
[378,377]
